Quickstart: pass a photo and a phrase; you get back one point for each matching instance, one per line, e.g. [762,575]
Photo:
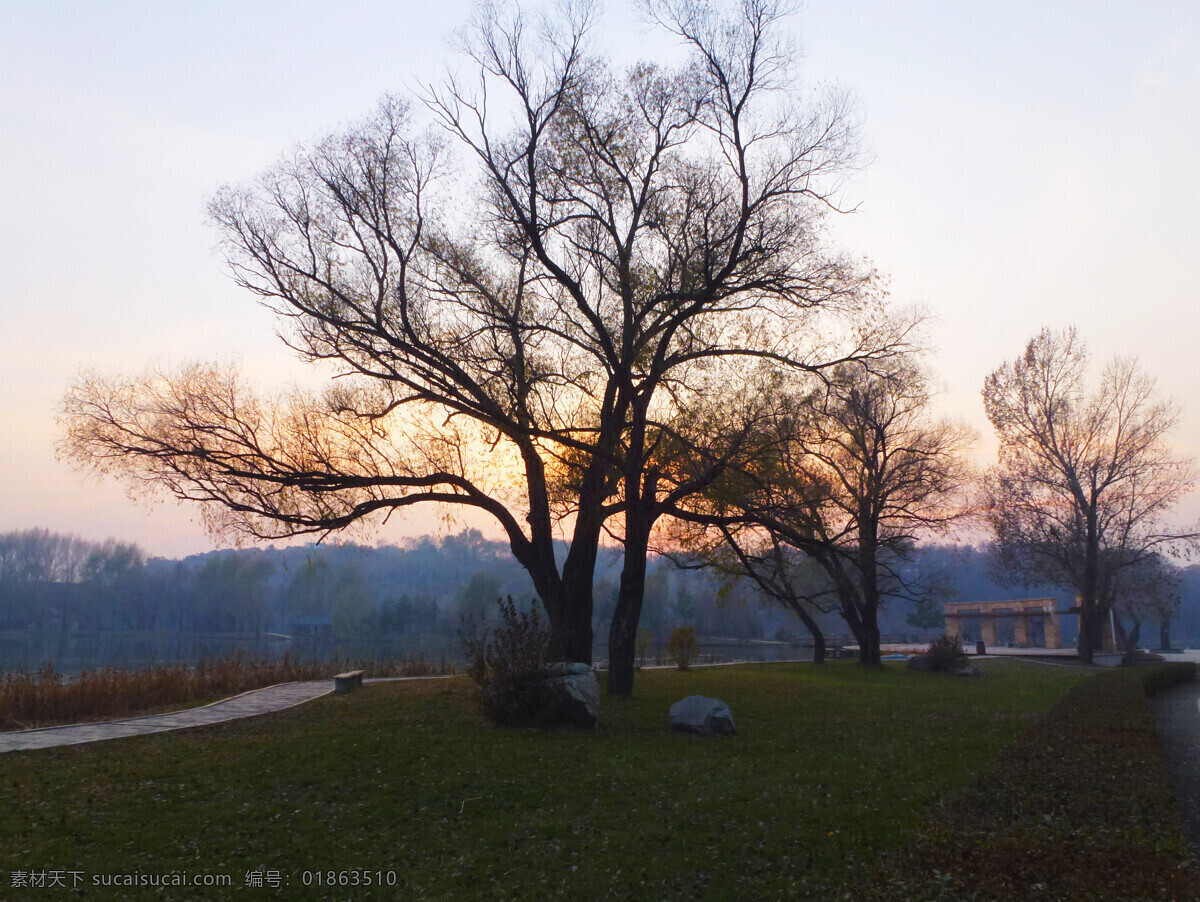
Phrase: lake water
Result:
[29,650]
[74,652]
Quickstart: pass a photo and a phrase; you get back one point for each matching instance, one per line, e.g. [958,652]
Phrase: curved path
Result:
[256,701]
[248,704]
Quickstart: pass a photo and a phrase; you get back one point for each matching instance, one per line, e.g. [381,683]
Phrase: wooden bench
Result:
[348,681]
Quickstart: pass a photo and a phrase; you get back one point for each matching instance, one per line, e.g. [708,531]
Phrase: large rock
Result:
[702,715]
[569,694]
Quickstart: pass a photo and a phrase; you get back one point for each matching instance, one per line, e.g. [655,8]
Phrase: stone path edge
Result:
[247,704]
[302,691]
[100,723]
[37,738]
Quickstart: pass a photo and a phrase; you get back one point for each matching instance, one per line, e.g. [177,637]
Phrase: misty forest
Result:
[415,599]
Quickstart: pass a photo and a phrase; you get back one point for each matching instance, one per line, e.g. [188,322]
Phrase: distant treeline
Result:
[424,587]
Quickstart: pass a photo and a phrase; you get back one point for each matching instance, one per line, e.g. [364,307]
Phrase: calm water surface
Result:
[29,650]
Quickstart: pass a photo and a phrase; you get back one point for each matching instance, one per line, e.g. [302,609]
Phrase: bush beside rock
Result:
[520,682]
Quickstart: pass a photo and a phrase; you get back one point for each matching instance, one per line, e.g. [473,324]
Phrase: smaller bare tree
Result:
[1151,589]
[855,473]
[782,574]
[1086,480]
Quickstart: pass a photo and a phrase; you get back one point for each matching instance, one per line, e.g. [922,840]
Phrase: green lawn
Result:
[1079,808]
[830,768]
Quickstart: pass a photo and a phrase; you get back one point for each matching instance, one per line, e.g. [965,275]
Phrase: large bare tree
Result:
[1086,479]
[518,299]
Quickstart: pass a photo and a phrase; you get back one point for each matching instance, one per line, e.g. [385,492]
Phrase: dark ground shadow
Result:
[1177,719]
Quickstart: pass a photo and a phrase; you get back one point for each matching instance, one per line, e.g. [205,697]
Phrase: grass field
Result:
[831,767]
[1079,808]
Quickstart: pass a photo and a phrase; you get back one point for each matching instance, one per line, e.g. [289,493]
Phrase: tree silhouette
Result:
[520,302]
[1085,480]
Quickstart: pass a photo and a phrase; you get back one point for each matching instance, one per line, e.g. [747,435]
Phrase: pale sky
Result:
[1032,164]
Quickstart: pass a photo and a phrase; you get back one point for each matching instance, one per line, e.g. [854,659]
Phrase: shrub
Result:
[946,654]
[508,665]
[682,646]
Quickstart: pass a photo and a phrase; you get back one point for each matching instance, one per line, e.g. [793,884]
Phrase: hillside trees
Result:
[519,301]
[76,582]
[39,555]
[926,615]
[1085,479]
[231,592]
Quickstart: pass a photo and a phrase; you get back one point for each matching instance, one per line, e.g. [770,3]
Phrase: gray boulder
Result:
[966,670]
[569,694]
[702,715]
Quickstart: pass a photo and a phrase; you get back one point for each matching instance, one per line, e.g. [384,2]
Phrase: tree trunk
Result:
[1090,631]
[622,648]
[868,639]
[622,634]
[864,625]
[868,572]
[814,630]
[1164,633]
[818,646]
[577,619]
[566,597]
[1089,614]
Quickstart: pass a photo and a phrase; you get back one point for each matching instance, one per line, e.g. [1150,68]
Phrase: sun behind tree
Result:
[518,328]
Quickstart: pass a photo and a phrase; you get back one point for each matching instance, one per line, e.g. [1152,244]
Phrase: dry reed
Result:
[47,697]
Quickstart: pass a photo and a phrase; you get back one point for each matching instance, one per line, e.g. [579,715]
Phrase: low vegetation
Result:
[682,646]
[1079,808]
[831,767]
[47,697]
[507,662]
[946,654]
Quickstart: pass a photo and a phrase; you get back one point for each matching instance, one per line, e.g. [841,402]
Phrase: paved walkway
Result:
[257,701]
[1177,721]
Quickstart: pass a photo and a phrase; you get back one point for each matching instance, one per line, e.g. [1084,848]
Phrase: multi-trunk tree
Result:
[1153,589]
[519,300]
[852,472]
[1086,479]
